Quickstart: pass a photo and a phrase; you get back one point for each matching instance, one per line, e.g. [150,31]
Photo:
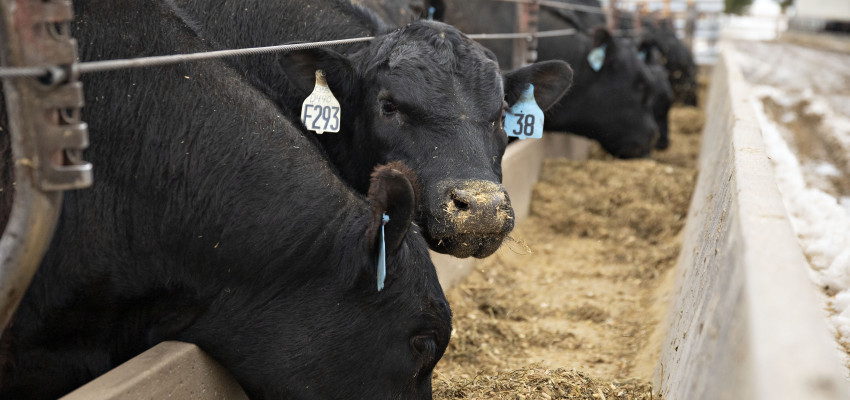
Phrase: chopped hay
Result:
[573,314]
[541,383]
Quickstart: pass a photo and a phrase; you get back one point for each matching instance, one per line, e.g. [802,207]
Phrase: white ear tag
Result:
[320,111]
[525,118]
[596,57]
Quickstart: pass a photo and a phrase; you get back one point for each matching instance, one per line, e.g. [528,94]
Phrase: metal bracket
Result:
[46,134]
[53,102]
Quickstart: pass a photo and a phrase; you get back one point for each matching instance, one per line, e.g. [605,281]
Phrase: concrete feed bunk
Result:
[744,323]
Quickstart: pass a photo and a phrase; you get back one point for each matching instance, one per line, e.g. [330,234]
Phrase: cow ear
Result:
[646,50]
[394,191]
[602,36]
[300,67]
[551,81]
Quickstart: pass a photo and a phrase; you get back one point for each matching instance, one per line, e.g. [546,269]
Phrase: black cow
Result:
[213,220]
[611,105]
[648,48]
[423,94]
[675,56]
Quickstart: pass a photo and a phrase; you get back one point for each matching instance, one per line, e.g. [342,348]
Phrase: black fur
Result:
[676,58]
[662,95]
[213,220]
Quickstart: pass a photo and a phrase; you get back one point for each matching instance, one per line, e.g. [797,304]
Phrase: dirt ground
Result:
[569,309]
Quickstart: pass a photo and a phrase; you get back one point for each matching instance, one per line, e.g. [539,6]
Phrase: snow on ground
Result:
[803,109]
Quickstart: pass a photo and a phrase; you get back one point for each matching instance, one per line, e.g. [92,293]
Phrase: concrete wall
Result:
[745,322]
[169,370]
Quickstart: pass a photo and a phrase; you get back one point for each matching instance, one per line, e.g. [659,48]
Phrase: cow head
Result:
[325,331]
[662,93]
[427,95]
[610,100]
[678,61]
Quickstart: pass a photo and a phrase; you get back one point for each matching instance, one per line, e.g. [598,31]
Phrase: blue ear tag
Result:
[431,11]
[642,55]
[525,118]
[382,255]
[596,57]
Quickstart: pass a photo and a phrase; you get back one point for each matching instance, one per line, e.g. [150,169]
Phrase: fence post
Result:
[612,14]
[525,50]
[690,24]
[46,136]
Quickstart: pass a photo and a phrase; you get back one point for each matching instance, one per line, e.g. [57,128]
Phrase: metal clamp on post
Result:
[46,134]
[61,136]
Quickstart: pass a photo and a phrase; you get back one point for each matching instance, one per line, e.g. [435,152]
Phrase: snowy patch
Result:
[821,221]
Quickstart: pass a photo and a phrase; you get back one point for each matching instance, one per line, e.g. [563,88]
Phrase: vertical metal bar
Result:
[46,137]
[525,49]
[612,15]
[636,23]
[690,24]
[520,49]
[532,11]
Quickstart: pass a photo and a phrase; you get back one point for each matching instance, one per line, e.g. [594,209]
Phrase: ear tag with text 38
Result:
[525,118]
[320,111]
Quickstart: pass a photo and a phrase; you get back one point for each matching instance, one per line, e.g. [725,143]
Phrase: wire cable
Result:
[109,65]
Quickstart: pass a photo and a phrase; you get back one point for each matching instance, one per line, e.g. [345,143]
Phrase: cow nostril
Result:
[461,199]
[460,204]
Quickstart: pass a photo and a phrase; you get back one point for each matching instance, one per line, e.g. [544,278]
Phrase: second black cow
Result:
[424,94]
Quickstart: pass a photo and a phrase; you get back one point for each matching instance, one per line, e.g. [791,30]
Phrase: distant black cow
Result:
[676,58]
[675,55]
[213,220]
[662,96]
[611,105]
[660,92]
[649,51]
[423,94]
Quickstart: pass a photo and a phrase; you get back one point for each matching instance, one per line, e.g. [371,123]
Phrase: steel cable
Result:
[108,65]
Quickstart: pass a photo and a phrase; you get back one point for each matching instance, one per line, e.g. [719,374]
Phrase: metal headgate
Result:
[46,134]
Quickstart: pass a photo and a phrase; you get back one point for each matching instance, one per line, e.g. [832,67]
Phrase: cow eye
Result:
[388,108]
[425,346]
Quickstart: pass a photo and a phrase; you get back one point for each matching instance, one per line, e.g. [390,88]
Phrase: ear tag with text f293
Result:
[525,118]
[320,111]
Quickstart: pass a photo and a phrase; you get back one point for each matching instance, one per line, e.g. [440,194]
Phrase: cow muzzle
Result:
[471,218]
